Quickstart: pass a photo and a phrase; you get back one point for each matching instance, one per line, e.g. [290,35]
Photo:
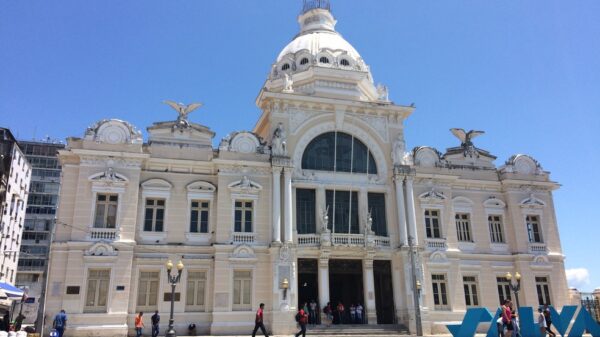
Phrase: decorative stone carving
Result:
[398,148]
[378,123]
[284,253]
[426,156]
[523,164]
[278,142]
[245,185]
[244,142]
[243,251]
[183,111]
[382,93]
[432,197]
[113,131]
[466,143]
[108,178]
[288,83]
[532,202]
[101,249]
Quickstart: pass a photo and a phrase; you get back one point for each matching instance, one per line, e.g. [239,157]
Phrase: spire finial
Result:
[315,4]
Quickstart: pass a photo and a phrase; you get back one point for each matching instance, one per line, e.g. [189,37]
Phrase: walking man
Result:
[155,321]
[258,321]
[139,324]
[548,321]
[60,323]
[302,319]
[541,320]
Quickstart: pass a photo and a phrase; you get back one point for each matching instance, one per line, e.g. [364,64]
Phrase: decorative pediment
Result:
[243,251]
[101,249]
[113,131]
[157,184]
[523,164]
[438,258]
[462,203]
[426,156]
[540,262]
[245,185]
[108,178]
[432,197]
[243,142]
[493,202]
[532,202]
[201,186]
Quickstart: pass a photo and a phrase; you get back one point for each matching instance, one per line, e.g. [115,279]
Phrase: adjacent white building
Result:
[15,174]
[321,194]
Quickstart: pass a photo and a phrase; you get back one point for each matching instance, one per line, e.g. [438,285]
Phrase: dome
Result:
[317,41]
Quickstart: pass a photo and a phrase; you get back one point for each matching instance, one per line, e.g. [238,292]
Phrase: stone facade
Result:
[321,194]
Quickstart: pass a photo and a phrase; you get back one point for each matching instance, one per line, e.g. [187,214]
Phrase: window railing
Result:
[239,237]
[100,234]
[436,244]
[382,241]
[537,248]
[309,239]
[348,239]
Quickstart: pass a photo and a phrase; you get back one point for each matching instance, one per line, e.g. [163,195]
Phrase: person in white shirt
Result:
[359,313]
[541,320]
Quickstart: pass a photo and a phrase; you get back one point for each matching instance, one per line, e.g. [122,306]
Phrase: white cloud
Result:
[578,277]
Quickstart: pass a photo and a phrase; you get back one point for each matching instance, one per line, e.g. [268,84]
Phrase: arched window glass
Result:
[340,152]
[344,62]
[304,61]
[285,66]
[324,59]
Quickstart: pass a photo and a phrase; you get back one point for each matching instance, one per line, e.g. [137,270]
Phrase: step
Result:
[350,330]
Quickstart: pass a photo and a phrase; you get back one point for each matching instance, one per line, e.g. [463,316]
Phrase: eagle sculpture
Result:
[465,137]
[182,109]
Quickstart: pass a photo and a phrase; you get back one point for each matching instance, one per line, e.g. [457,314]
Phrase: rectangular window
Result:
[243,216]
[432,224]
[97,290]
[196,285]
[199,216]
[543,290]
[305,211]
[503,289]
[155,215]
[106,211]
[148,290]
[377,208]
[533,228]
[440,294]
[496,232]
[463,227]
[470,287]
[242,290]
[343,211]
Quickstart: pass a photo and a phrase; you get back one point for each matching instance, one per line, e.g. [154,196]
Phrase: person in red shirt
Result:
[258,321]
[302,318]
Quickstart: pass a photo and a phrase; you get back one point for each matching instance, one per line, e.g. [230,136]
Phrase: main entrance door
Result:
[308,278]
[384,292]
[345,283]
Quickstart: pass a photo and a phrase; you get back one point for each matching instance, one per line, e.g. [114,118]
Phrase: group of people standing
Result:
[339,314]
[139,323]
[508,323]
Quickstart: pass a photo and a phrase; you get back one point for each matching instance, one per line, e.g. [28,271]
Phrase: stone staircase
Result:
[357,330]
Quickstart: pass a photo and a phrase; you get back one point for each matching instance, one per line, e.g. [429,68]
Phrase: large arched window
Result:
[340,152]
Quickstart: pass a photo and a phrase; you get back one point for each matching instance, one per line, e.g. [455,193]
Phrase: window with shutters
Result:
[147,297]
[96,297]
[543,290]
[242,290]
[196,291]
[503,289]
[199,215]
[470,288]
[432,224]
[106,210]
[496,231]
[243,216]
[440,291]
[533,229]
[154,215]
[463,227]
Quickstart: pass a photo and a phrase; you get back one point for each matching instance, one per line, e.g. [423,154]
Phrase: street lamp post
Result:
[173,280]
[416,287]
[514,286]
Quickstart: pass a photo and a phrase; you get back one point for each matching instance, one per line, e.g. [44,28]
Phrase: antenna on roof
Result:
[315,4]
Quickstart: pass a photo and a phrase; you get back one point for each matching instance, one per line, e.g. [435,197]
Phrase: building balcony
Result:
[308,240]
[240,237]
[433,244]
[336,239]
[537,248]
[348,239]
[103,234]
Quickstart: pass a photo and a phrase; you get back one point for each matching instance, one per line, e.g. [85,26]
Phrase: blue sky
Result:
[526,72]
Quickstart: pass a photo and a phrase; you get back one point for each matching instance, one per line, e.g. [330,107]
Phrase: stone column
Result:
[276,204]
[410,205]
[363,209]
[401,206]
[287,203]
[369,282]
[323,284]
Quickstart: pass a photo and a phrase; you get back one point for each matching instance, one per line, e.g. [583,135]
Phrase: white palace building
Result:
[320,201]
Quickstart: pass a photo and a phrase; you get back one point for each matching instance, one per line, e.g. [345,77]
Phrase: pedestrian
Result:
[515,321]
[60,323]
[139,324]
[328,313]
[507,318]
[352,314]
[548,321]
[340,311]
[258,321]
[155,319]
[6,321]
[19,321]
[500,326]
[541,320]
[302,319]
[313,312]
[359,313]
